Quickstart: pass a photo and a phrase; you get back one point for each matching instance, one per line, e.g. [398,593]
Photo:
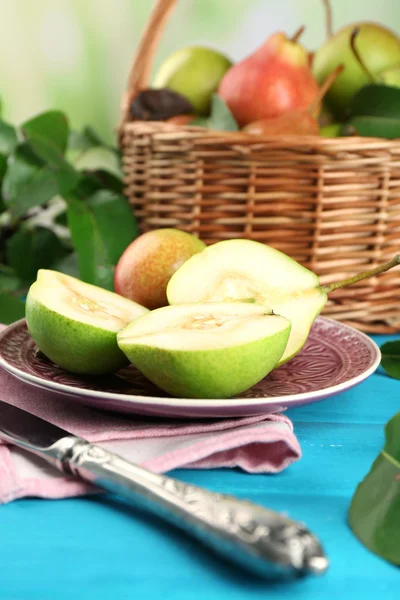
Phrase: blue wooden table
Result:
[99,548]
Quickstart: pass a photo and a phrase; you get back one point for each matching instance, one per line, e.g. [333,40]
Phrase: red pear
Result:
[275,79]
[300,121]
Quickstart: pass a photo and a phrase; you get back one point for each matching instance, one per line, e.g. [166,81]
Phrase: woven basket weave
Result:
[331,204]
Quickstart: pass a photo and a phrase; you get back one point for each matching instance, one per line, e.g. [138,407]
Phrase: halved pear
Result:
[75,324]
[235,269]
[210,350]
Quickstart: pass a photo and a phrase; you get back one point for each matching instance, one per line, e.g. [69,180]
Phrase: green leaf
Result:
[3,169]
[9,283]
[66,176]
[221,118]
[12,308]
[376,100]
[27,182]
[30,250]
[8,138]
[374,514]
[40,188]
[84,140]
[115,221]
[391,358]
[383,127]
[51,127]
[94,181]
[68,265]
[99,158]
[95,265]
[47,135]
[201,122]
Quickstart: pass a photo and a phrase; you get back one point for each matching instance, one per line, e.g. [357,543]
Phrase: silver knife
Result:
[257,538]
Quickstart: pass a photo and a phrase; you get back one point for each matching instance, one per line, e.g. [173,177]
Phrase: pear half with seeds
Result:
[75,324]
[235,269]
[211,350]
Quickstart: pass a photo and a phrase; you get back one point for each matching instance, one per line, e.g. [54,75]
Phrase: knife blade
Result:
[257,538]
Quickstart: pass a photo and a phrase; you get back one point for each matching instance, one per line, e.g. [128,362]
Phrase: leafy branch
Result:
[61,207]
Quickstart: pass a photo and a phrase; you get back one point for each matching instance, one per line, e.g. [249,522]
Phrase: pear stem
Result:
[328,18]
[345,282]
[356,53]
[297,34]
[324,89]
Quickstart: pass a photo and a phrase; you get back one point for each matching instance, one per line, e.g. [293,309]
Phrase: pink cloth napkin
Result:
[260,444]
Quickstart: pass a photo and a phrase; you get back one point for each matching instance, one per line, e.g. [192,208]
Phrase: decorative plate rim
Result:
[127,399]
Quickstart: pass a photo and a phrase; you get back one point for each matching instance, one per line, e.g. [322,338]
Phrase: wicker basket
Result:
[331,204]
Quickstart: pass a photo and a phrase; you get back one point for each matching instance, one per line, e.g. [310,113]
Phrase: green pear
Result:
[379,50]
[235,269]
[194,72]
[75,324]
[211,350]
[333,130]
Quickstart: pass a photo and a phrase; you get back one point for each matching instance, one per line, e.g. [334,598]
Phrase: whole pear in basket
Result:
[274,80]
[195,73]
[235,269]
[300,121]
[379,51]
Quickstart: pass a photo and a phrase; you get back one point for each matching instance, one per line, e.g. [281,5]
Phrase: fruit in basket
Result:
[181,120]
[148,263]
[75,324]
[274,80]
[379,51]
[235,269]
[159,105]
[331,131]
[194,72]
[211,350]
[300,121]
[296,122]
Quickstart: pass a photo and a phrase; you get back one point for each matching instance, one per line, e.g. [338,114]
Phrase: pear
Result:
[379,51]
[195,73]
[211,350]
[296,122]
[75,324]
[274,80]
[300,121]
[148,263]
[331,131]
[235,269]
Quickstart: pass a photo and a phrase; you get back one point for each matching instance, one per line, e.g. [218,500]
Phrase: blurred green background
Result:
[75,55]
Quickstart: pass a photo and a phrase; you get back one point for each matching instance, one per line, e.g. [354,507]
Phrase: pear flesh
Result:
[75,324]
[207,350]
[235,269]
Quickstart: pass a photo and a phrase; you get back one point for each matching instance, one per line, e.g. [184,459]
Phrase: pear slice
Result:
[235,269]
[210,350]
[75,324]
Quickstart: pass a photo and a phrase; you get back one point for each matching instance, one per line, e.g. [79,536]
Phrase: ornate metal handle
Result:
[257,538]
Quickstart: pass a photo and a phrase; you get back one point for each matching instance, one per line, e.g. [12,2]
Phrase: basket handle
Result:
[139,76]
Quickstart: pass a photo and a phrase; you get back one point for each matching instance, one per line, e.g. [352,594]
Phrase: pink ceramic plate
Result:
[335,358]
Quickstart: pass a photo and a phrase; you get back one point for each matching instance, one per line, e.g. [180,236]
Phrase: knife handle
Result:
[258,538]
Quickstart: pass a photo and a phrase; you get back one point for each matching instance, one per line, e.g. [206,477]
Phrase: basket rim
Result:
[170,131]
